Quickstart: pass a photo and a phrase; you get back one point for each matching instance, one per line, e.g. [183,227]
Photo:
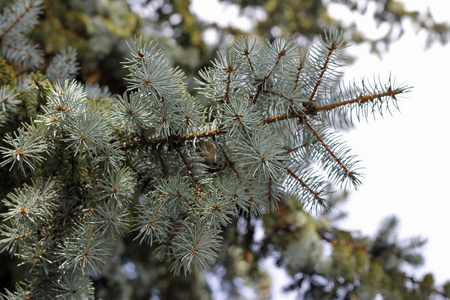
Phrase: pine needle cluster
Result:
[267,133]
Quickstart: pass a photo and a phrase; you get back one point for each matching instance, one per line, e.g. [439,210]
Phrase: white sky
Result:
[406,156]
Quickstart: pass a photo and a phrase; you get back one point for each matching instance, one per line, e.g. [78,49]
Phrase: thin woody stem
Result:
[19,50]
[63,69]
[190,169]
[150,224]
[232,166]
[296,148]
[332,48]
[279,95]
[361,99]
[229,70]
[180,138]
[85,254]
[263,81]
[327,148]
[174,233]
[247,54]
[163,164]
[304,184]
[281,117]
[27,9]
[230,163]
[297,77]
[270,194]
[21,236]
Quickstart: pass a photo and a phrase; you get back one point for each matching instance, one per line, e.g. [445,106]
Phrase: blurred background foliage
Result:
[321,260]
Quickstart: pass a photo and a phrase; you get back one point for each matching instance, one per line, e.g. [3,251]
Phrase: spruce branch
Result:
[350,174]
[22,53]
[163,164]
[157,146]
[230,163]
[196,247]
[190,169]
[301,64]
[333,47]
[245,47]
[8,100]
[63,66]
[18,18]
[363,99]
[26,148]
[359,100]
[175,139]
[262,82]
[315,194]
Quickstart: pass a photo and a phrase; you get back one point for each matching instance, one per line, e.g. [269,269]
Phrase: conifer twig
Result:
[163,164]
[190,169]
[230,163]
[263,81]
[296,148]
[229,70]
[331,49]
[361,99]
[297,77]
[7,30]
[349,173]
[158,141]
[328,107]
[24,52]
[304,184]
[247,54]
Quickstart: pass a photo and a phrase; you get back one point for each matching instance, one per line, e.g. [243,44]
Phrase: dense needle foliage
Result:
[161,162]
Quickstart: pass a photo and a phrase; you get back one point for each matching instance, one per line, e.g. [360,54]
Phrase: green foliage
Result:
[96,29]
[6,74]
[17,21]
[188,170]
[304,19]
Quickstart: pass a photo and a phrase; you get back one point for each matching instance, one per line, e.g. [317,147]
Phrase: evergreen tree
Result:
[158,160]
[304,19]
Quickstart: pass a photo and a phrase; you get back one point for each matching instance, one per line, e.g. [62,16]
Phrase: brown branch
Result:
[258,92]
[177,139]
[247,54]
[190,169]
[297,77]
[27,9]
[296,148]
[174,233]
[279,95]
[85,254]
[263,81]
[233,167]
[349,173]
[4,100]
[21,236]
[163,164]
[20,50]
[230,163]
[270,196]
[66,65]
[332,48]
[150,224]
[281,117]
[313,109]
[361,99]
[229,70]
[304,184]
